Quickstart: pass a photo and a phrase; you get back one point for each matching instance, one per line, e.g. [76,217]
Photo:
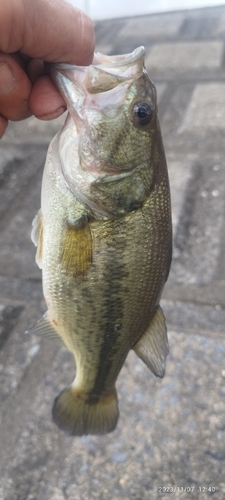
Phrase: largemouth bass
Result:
[103,234]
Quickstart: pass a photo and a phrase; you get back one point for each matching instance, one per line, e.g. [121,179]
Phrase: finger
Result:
[3,125]
[15,88]
[35,68]
[51,30]
[45,101]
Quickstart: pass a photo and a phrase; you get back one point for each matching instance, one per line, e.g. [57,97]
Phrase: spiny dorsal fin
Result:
[153,346]
[37,236]
[44,328]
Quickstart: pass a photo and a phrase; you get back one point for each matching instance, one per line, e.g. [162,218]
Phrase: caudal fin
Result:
[76,414]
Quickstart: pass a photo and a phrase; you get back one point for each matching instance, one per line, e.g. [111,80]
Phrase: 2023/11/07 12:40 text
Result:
[188,489]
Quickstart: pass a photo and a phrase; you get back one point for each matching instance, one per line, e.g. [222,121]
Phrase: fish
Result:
[103,234]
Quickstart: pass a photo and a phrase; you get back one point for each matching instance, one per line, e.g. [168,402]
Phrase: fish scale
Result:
[104,235]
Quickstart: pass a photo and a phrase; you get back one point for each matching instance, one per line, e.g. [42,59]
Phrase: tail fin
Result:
[75,414]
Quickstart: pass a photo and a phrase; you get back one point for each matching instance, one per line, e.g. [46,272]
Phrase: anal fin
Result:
[44,328]
[153,346]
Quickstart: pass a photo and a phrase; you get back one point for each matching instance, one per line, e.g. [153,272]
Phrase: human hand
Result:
[31,32]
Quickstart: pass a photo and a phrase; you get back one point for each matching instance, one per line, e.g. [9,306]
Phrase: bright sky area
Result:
[105,9]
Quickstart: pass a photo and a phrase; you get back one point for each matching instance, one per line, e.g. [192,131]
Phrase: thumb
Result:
[15,88]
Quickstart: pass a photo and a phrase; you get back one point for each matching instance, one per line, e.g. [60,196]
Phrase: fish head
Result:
[111,128]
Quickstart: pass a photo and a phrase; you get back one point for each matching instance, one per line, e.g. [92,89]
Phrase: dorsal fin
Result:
[153,346]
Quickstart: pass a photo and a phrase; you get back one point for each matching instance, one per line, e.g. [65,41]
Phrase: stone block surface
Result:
[154,26]
[206,109]
[180,58]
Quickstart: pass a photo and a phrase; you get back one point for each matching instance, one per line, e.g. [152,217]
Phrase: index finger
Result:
[52,30]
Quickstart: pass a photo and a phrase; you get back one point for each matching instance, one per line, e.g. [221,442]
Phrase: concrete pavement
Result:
[170,439]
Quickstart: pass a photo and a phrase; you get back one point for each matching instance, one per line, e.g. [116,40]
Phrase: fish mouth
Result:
[105,73]
[99,59]
[119,60]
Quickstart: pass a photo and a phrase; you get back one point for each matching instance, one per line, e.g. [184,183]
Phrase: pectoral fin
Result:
[37,237]
[44,328]
[76,247]
[153,346]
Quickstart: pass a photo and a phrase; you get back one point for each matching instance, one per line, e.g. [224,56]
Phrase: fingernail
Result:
[7,80]
[52,116]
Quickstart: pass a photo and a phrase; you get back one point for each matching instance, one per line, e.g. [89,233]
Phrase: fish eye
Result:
[142,113]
